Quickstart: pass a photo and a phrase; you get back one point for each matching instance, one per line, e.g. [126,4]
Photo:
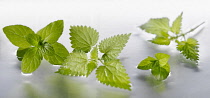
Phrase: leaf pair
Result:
[159,66]
[34,46]
[161,28]
[83,40]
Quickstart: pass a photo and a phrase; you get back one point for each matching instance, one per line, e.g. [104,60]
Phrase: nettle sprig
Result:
[160,27]
[165,34]
[78,63]
[33,47]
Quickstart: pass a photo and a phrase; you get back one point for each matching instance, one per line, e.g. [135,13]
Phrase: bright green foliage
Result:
[60,54]
[159,66]
[111,47]
[17,35]
[31,60]
[160,40]
[83,40]
[94,53]
[176,26]
[160,27]
[51,32]
[189,49]
[21,52]
[77,63]
[32,47]
[33,39]
[83,37]
[113,73]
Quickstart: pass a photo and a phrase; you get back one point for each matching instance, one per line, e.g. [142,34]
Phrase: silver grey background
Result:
[109,17]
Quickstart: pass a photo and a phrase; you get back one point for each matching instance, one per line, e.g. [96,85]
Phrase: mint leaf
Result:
[111,47]
[33,39]
[160,40]
[162,58]
[159,66]
[83,37]
[113,74]
[21,52]
[31,60]
[59,55]
[189,49]
[51,32]
[147,63]
[76,64]
[159,26]
[94,53]
[161,73]
[17,35]
[46,49]
[176,26]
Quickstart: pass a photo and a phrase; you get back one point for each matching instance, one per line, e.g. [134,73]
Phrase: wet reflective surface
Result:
[109,18]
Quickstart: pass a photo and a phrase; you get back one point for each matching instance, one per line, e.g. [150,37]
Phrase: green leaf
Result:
[176,26]
[163,58]
[111,47]
[47,49]
[113,74]
[94,53]
[189,49]
[60,54]
[161,73]
[90,67]
[31,60]
[159,66]
[17,35]
[147,63]
[33,39]
[159,26]
[83,37]
[160,40]
[51,32]
[76,64]
[21,52]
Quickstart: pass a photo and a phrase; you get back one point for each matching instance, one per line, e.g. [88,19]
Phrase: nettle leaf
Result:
[51,32]
[17,35]
[21,52]
[31,60]
[189,49]
[83,37]
[33,39]
[59,55]
[76,64]
[159,26]
[113,74]
[159,66]
[176,26]
[111,47]
[94,53]
[161,40]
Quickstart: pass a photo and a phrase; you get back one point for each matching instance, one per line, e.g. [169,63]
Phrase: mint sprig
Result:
[165,34]
[34,46]
[83,40]
[159,65]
